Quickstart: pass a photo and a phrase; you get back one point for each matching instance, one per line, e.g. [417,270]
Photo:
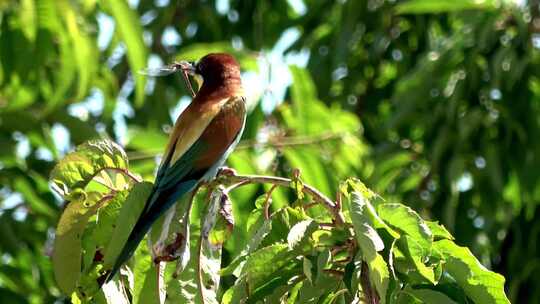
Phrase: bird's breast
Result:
[223,130]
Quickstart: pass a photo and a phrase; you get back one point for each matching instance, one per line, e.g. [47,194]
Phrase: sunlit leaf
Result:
[79,167]
[480,284]
[368,239]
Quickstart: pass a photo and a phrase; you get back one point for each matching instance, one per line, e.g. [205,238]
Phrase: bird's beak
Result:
[188,67]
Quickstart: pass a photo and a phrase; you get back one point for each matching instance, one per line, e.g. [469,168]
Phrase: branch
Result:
[242,180]
[371,296]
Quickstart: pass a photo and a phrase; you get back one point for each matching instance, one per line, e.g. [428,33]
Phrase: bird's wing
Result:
[179,173]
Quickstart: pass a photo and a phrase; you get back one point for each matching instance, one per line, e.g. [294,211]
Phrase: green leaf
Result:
[368,239]
[379,276]
[148,280]
[28,18]
[415,253]
[78,168]
[430,296]
[442,6]
[360,191]
[107,219]
[130,30]
[403,218]
[67,252]
[480,284]
[260,228]
[313,293]
[263,264]
[300,233]
[439,231]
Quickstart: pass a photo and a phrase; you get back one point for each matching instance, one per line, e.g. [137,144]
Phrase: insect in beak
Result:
[187,68]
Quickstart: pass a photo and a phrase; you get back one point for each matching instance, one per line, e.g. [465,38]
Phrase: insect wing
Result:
[156,72]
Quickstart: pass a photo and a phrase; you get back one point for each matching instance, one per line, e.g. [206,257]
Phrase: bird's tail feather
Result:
[160,202]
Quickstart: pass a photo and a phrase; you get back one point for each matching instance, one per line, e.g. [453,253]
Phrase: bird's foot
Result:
[226,171]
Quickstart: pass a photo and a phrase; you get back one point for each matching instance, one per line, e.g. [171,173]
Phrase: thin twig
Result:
[267,201]
[370,294]
[241,180]
[123,171]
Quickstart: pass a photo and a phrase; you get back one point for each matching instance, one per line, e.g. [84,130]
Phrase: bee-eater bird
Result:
[203,137]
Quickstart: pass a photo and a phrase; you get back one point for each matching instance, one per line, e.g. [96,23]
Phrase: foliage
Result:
[433,103]
[382,252]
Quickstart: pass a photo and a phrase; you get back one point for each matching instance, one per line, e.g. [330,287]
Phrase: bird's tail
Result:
[159,202]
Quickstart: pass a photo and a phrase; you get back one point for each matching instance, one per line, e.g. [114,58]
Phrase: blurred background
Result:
[433,103]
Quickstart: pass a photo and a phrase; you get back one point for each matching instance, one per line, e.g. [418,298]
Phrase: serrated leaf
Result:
[368,239]
[365,195]
[439,231]
[300,232]
[414,252]
[263,263]
[183,288]
[78,168]
[480,284]
[403,218]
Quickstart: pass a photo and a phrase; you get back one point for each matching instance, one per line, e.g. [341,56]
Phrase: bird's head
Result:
[214,68]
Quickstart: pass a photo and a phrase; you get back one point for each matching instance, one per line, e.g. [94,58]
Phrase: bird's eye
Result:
[198,67]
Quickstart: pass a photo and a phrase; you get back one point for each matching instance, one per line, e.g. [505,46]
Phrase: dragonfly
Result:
[177,66]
